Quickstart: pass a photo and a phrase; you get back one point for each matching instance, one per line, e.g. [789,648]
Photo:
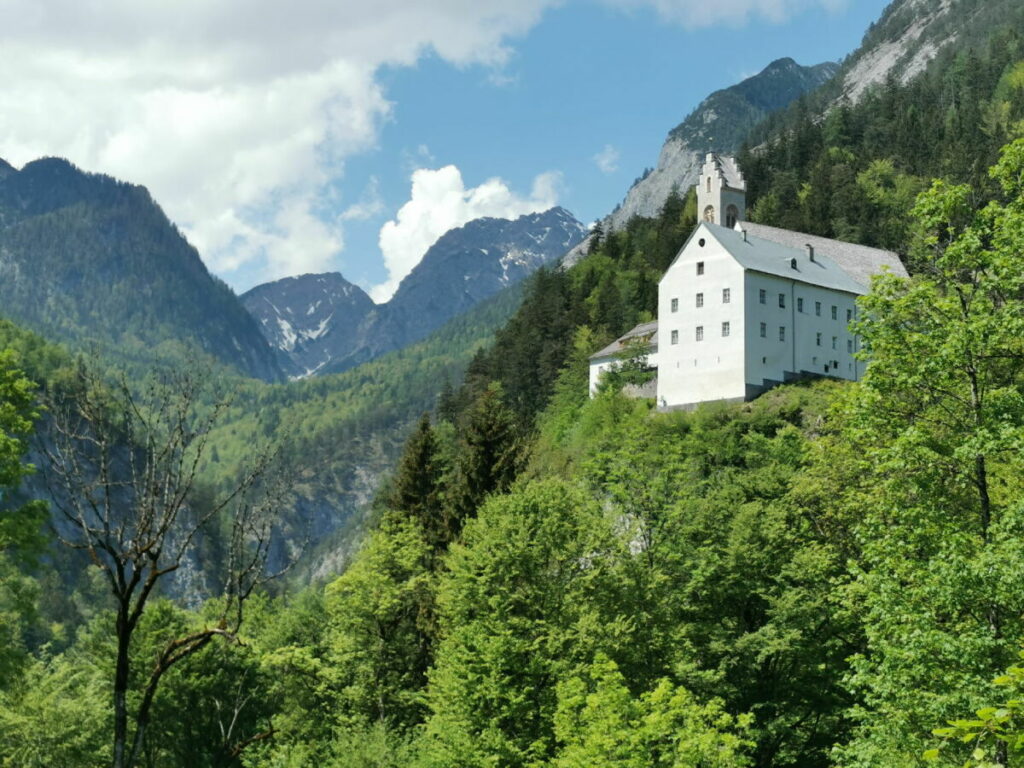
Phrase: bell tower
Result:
[721,192]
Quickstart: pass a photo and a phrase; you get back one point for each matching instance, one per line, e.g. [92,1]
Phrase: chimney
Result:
[744,235]
[810,251]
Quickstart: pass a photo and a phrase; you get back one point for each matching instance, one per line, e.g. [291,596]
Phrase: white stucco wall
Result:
[772,359]
[600,365]
[692,371]
[597,368]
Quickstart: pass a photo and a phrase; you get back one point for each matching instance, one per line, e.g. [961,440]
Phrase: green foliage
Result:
[938,425]
[516,611]
[994,736]
[855,174]
[600,722]
[377,637]
[20,522]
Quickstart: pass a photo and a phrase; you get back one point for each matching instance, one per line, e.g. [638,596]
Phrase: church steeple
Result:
[722,192]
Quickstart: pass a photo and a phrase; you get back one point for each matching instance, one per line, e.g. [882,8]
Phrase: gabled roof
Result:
[768,257]
[616,348]
[858,261]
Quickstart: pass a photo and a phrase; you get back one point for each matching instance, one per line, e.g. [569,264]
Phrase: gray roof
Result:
[859,261]
[616,347]
[771,258]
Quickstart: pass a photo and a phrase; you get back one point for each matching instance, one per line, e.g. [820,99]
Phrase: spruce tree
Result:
[416,491]
[489,457]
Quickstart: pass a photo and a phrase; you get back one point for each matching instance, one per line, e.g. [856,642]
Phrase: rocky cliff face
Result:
[720,123]
[902,42]
[323,324]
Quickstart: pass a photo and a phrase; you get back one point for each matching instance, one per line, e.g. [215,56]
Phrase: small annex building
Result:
[745,307]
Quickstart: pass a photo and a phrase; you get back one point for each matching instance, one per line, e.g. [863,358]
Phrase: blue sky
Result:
[586,77]
[331,135]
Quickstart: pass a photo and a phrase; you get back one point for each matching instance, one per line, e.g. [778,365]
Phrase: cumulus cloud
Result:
[239,115]
[440,201]
[607,160]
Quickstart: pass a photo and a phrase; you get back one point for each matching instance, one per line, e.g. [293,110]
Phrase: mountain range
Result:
[90,260]
[323,324]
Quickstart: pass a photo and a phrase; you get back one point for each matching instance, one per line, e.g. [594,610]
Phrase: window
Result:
[762,296]
[849,346]
[817,339]
[835,341]
[700,267]
[726,295]
[835,312]
[725,328]
[817,308]
[700,299]
[782,301]
[799,305]
[764,330]
[700,333]
[849,315]
[675,305]
[709,183]
[675,337]
[782,333]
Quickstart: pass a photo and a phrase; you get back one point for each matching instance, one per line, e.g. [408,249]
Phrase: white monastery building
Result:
[745,307]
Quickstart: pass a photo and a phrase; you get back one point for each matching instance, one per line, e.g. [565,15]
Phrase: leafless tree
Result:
[123,467]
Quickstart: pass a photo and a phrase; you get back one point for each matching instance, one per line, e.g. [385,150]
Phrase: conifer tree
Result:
[416,491]
[489,455]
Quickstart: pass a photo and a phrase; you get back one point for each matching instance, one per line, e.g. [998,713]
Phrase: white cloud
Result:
[239,115]
[369,205]
[607,160]
[439,202]
[702,13]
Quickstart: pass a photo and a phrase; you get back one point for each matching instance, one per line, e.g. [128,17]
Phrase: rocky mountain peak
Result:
[720,123]
[324,324]
[296,313]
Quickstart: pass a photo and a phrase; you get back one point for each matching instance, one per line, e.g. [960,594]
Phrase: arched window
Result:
[709,214]
[709,183]
[732,215]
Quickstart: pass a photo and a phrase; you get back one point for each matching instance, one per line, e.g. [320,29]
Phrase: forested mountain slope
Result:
[86,258]
[341,433]
[854,172]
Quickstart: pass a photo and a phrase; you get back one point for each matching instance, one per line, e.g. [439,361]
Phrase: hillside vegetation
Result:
[827,576]
[93,261]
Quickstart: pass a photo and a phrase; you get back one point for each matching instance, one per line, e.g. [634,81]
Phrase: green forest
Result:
[830,575]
